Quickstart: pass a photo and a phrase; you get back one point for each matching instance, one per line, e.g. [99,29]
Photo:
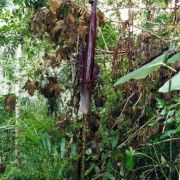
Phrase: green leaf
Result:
[58,172]
[54,150]
[30,135]
[143,71]
[46,141]
[115,140]
[162,3]
[108,176]
[73,149]
[90,169]
[170,120]
[6,127]
[168,133]
[63,145]
[43,140]
[5,80]
[178,129]
[174,58]
[171,85]
[177,120]
[89,151]
[130,159]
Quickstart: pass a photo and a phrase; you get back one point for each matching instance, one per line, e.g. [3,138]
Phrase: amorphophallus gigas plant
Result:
[88,70]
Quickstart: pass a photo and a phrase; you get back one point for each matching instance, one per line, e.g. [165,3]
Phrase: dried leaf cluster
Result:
[10,102]
[65,24]
[51,89]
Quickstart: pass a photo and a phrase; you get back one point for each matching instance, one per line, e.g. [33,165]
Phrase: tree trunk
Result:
[17,108]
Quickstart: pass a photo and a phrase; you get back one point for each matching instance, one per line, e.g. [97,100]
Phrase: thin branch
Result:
[109,52]
[160,142]
[143,167]
[135,8]
[138,27]
[137,101]
[104,40]
[136,133]
[122,111]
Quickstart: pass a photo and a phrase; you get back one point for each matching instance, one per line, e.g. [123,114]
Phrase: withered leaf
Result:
[30,87]
[101,19]
[70,19]
[83,31]
[52,88]
[55,4]
[51,61]
[86,16]
[51,18]
[82,23]
[59,25]
[10,102]
[63,122]
[71,41]
[41,15]
[43,28]
[37,28]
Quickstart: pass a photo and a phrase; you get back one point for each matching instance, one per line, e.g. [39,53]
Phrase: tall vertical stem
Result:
[83,148]
[17,108]
[17,147]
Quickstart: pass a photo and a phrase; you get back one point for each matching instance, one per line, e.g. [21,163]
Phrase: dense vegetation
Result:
[131,130]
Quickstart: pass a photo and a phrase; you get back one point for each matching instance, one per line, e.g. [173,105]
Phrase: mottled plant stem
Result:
[83,147]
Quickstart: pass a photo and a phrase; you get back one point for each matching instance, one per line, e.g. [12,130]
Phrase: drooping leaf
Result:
[93,165]
[171,85]
[143,71]
[32,136]
[70,18]
[174,58]
[55,4]
[83,30]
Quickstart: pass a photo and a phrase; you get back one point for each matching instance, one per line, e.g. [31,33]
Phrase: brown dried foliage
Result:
[63,23]
[52,88]
[30,87]
[10,102]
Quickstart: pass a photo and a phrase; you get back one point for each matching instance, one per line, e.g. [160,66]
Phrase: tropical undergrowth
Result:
[133,130]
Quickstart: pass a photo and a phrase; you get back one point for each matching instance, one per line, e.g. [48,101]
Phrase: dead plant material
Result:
[30,87]
[10,102]
[52,88]
[63,123]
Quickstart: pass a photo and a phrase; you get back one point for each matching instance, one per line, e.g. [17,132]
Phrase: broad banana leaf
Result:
[143,71]
[149,68]
[171,85]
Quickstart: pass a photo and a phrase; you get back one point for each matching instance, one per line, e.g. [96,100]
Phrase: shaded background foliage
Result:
[133,131]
